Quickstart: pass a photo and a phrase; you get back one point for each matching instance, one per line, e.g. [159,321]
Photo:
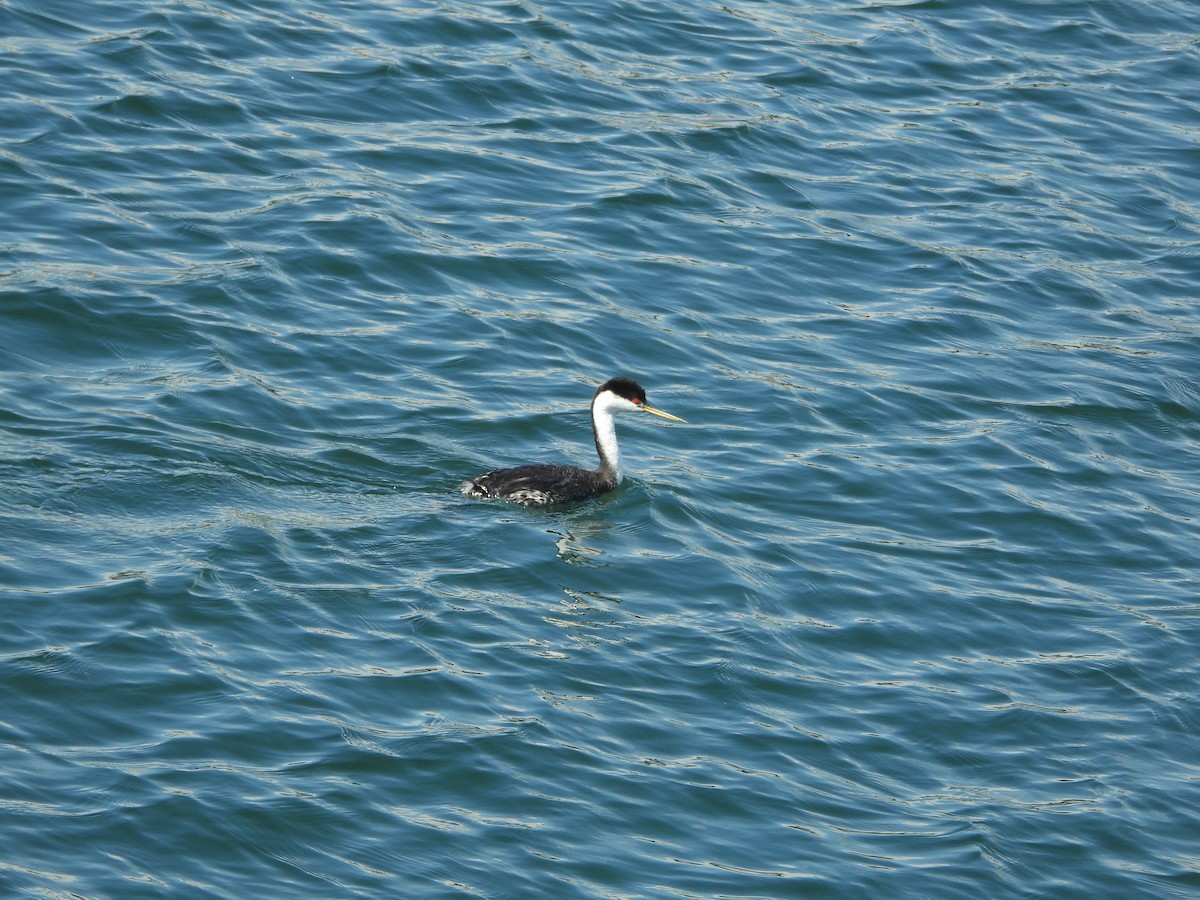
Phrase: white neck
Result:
[605,430]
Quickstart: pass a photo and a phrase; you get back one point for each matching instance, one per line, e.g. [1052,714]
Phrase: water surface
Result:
[906,609]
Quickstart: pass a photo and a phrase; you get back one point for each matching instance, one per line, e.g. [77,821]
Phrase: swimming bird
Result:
[544,484]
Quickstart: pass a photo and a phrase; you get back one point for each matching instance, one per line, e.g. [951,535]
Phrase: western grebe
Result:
[543,485]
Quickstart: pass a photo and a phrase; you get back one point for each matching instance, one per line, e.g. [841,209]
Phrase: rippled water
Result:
[907,609]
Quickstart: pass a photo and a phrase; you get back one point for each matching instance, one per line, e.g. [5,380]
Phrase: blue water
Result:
[909,607]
